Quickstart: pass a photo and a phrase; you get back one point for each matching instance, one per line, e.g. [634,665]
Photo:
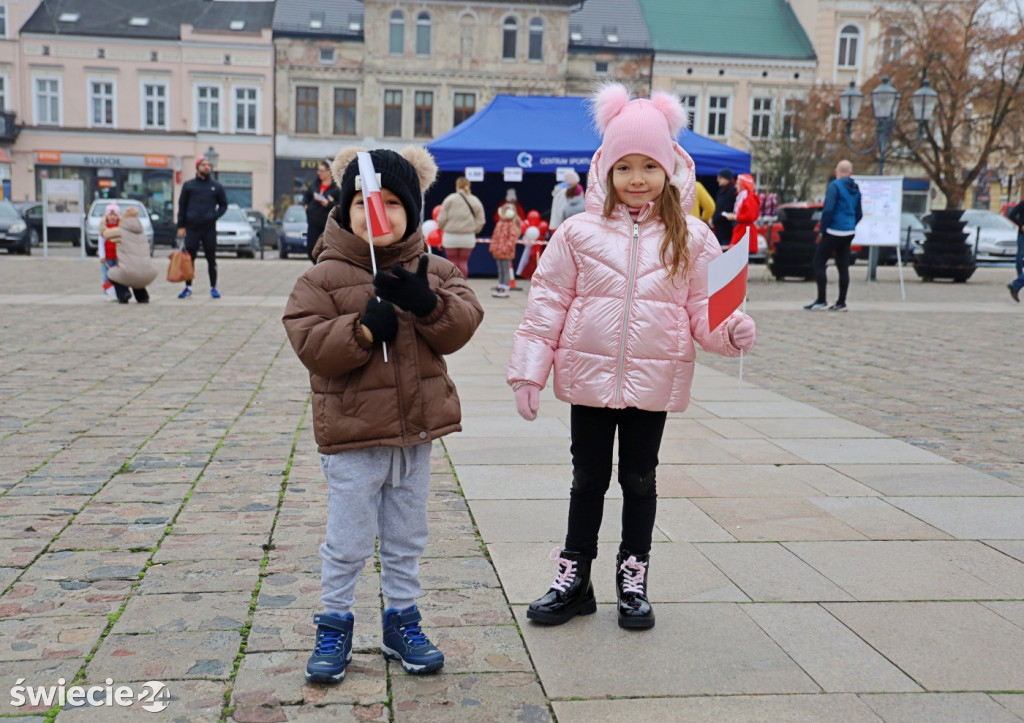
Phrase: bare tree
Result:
[972,53]
[805,145]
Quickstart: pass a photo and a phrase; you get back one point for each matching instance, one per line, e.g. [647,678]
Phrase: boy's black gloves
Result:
[407,290]
[380,319]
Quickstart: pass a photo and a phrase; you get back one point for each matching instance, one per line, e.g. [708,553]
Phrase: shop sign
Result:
[96,160]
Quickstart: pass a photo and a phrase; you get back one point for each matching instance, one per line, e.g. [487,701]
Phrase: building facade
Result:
[852,45]
[12,14]
[127,99]
[735,65]
[387,74]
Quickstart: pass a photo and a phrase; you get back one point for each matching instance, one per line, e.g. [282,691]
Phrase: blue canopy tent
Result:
[540,134]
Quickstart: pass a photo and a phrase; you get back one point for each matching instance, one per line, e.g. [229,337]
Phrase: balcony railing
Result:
[8,130]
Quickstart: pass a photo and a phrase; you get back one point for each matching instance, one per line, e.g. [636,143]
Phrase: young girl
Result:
[618,299]
[503,247]
[106,249]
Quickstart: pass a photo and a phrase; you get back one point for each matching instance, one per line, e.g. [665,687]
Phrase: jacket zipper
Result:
[625,314]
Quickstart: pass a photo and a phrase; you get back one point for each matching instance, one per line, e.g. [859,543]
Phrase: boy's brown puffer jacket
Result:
[358,399]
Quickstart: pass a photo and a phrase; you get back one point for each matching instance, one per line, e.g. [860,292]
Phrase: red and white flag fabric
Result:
[727,282]
[373,201]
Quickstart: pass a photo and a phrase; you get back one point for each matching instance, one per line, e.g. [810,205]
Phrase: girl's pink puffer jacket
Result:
[602,312]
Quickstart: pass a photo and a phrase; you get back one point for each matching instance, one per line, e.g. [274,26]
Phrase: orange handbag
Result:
[180,267]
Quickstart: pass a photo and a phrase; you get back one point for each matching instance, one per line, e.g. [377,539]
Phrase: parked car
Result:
[15,234]
[263,227]
[292,239]
[165,226]
[32,212]
[997,239]
[912,232]
[95,218]
[235,233]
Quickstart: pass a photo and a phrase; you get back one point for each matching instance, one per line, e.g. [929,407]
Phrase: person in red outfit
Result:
[106,249]
[746,211]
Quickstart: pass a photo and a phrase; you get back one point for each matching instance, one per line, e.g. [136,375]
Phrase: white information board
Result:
[881,199]
[63,202]
[474,173]
[63,207]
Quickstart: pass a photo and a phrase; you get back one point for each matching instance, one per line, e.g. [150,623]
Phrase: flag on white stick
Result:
[727,282]
[373,201]
[373,207]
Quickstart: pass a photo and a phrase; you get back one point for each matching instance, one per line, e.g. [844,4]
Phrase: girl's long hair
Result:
[675,246]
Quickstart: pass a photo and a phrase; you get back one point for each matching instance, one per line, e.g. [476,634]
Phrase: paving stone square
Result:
[839,538]
[166,656]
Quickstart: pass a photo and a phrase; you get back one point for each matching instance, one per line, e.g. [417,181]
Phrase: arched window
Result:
[509,36]
[396,34]
[849,39]
[423,34]
[536,45]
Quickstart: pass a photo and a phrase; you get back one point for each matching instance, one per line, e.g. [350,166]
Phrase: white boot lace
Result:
[566,571]
[633,573]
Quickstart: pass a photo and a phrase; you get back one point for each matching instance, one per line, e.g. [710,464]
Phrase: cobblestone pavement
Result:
[840,539]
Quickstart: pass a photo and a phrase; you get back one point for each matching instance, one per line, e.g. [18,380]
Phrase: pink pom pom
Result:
[673,110]
[607,103]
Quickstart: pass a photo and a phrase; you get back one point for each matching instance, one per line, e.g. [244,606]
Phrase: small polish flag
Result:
[373,201]
[727,282]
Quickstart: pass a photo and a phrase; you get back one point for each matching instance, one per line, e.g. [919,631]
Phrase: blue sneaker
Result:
[403,640]
[333,649]
[214,293]
[186,293]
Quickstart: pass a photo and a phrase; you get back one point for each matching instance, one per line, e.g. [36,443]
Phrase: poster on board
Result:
[881,199]
[63,202]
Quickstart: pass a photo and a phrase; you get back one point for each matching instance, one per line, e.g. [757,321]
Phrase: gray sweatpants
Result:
[376,492]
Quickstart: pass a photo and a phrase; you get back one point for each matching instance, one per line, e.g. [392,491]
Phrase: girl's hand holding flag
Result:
[743,333]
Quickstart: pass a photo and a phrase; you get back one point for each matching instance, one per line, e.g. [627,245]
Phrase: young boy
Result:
[374,421]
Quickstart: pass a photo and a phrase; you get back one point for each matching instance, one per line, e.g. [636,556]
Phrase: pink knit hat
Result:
[112,208]
[649,127]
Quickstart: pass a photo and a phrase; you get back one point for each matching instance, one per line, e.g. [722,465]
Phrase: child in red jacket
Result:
[107,249]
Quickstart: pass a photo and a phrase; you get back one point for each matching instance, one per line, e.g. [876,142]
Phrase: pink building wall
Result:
[227,61]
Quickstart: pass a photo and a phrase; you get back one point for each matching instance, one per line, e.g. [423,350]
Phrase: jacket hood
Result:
[849,184]
[131,224]
[684,177]
[342,245]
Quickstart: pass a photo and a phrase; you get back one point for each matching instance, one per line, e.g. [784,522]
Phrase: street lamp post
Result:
[885,101]
[212,156]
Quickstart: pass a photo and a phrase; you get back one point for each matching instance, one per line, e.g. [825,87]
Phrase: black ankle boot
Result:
[631,587]
[571,593]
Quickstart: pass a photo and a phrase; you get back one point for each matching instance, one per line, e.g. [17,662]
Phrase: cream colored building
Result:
[852,45]
[736,65]
[386,74]
[119,96]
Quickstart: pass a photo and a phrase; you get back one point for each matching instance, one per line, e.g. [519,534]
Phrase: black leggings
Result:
[124,293]
[840,246]
[207,236]
[593,433]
